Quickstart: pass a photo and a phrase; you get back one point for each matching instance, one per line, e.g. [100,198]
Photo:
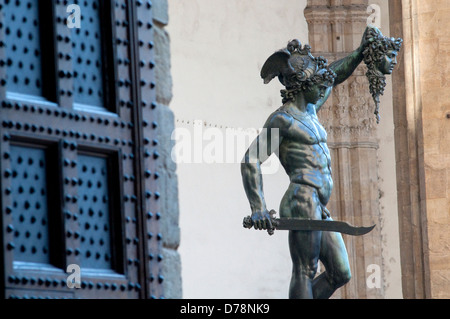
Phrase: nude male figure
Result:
[304,154]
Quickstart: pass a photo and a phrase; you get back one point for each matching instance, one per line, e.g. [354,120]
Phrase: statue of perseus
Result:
[301,146]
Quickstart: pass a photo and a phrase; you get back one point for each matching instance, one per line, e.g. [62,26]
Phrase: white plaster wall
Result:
[218,48]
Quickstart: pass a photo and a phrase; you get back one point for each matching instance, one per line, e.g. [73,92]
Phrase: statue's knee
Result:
[307,271]
[342,277]
[345,277]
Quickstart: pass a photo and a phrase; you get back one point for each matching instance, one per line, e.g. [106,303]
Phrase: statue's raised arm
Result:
[345,67]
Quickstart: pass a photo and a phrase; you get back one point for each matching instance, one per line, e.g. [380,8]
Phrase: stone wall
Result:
[172,287]
[422,145]
[434,63]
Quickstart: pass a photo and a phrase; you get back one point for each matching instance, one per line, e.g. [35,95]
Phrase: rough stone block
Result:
[163,66]
[161,11]
[171,269]
[166,120]
[170,212]
[168,179]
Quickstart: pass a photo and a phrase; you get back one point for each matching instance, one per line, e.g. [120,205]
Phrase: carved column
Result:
[335,29]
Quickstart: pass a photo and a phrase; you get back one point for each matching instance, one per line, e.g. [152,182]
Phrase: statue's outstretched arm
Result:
[345,67]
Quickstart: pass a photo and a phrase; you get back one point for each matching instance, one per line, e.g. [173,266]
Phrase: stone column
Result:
[422,134]
[335,29]
[408,135]
[171,262]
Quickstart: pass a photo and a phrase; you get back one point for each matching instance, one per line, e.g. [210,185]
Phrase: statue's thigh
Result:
[304,247]
[333,253]
[302,201]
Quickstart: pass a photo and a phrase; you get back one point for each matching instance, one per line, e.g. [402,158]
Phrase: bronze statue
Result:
[304,154]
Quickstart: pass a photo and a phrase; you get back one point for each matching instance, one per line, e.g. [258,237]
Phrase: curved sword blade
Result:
[320,225]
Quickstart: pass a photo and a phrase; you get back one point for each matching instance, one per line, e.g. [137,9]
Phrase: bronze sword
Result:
[310,225]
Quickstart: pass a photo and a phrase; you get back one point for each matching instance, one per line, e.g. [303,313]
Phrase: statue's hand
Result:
[262,220]
[368,37]
[365,39]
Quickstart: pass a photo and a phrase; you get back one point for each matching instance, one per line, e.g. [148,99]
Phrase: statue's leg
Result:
[334,257]
[302,201]
[304,247]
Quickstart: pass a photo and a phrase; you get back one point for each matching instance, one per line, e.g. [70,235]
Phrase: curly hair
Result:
[378,46]
[299,83]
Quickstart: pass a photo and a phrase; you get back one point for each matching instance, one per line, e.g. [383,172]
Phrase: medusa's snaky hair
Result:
[377,47]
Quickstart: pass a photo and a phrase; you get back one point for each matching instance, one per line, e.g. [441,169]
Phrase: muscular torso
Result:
[304,153]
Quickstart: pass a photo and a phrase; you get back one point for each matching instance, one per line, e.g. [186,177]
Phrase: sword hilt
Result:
[248,222]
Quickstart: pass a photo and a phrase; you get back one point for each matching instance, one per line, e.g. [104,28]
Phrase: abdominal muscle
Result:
[306,159]
[322,182]
[310,189]
[308,165]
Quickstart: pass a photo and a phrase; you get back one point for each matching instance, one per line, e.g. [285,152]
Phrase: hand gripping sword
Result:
[310,225]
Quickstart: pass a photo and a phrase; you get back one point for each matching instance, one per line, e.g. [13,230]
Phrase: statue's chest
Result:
[308,130]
